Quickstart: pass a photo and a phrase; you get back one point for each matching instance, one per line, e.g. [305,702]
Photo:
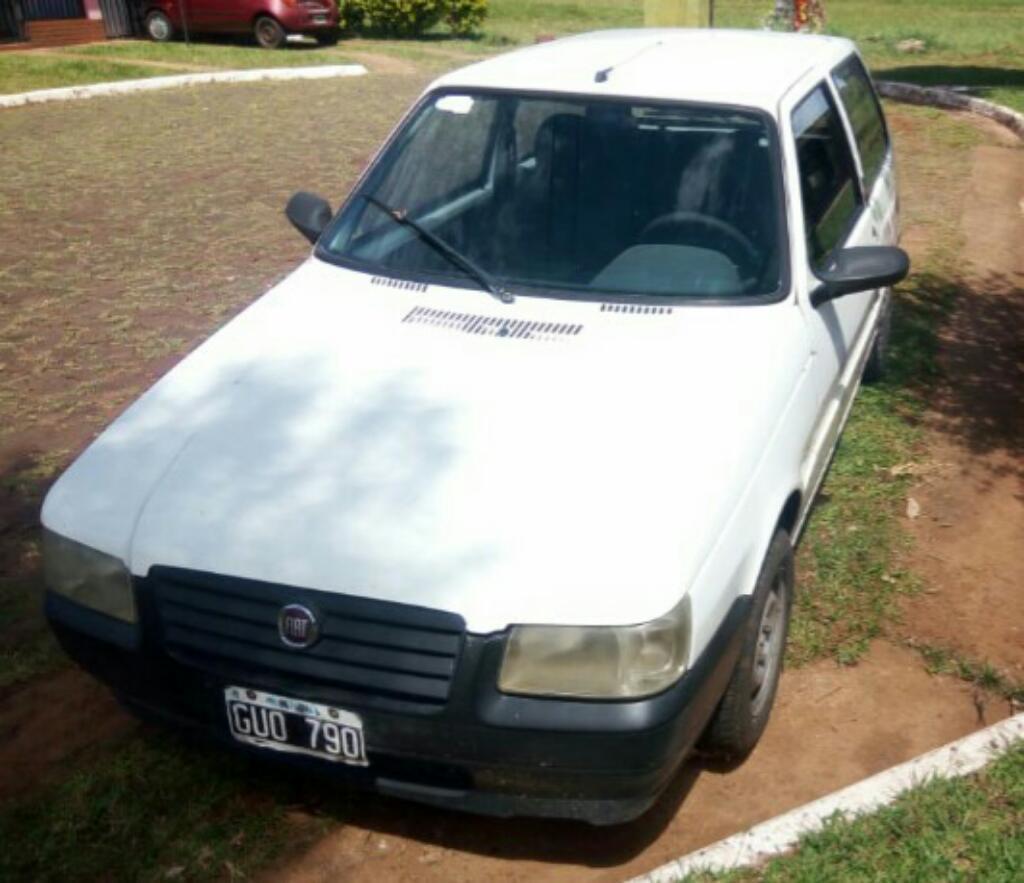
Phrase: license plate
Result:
[319,19]
[295,726]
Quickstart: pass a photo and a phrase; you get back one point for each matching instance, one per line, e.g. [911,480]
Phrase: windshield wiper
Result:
[488,282]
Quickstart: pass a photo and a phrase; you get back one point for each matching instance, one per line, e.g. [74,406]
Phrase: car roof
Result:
[746,68]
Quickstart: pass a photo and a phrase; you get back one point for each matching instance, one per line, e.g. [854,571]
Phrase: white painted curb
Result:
[782,833]
[131,87]
[951,99]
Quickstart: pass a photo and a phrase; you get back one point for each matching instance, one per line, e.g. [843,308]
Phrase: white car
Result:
[491,503]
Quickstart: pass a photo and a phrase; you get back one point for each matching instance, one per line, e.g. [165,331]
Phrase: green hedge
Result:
[410,18]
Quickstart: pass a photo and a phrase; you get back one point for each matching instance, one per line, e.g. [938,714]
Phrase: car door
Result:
[213,16]
[198,15]
[866,122]
[834,216]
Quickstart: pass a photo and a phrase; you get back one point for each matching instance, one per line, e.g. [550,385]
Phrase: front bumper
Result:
[481,751]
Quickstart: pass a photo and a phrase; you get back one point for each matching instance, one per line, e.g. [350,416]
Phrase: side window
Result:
[861,103]
[828,178]
[531,117]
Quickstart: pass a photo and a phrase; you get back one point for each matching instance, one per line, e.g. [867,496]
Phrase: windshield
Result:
[572,196]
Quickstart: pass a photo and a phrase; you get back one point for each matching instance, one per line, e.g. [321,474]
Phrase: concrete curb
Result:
[150,84]
[935,96]
[782,833]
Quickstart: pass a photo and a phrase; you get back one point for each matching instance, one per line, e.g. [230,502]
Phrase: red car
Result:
[269,21]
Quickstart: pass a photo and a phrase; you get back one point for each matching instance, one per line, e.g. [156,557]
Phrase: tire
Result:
[878,359]
[159,28]
[743,712]
[268,33]
[329,39]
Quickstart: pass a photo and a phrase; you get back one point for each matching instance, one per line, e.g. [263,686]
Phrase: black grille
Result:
[491,326]
[402,284]
[379,651]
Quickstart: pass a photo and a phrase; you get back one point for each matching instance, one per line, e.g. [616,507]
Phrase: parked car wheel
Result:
[269,33]
[159,27]
[878,360]
[743,712]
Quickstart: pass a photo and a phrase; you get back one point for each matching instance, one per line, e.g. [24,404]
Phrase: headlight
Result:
[597,662]
[90,578]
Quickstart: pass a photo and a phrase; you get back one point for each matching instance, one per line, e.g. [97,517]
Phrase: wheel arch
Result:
[789,517]
[266,12]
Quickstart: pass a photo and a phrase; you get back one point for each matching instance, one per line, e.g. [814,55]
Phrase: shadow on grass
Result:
[26,647]
[435,37]
[978,80]
[972,375]
[245,41]
[112,819]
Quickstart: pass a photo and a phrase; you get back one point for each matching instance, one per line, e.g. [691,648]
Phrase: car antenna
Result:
[602,75]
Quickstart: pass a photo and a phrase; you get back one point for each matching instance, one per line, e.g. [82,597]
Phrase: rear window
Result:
[865,113]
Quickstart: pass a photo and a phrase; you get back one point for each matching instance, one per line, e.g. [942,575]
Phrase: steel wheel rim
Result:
[158,29]
[768,651]
[267,33]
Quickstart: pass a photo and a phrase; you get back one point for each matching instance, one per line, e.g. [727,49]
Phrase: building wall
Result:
[44,10]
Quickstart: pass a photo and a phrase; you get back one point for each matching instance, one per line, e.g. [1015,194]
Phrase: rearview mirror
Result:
[861,269]
[309,213]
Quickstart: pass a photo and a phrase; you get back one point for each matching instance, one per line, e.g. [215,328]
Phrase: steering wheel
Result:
[743,249]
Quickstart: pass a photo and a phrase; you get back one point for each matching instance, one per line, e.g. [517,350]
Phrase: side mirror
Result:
[309,213]
[861,269]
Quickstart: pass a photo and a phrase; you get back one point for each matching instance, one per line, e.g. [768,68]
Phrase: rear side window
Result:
[858,97]
[828,179]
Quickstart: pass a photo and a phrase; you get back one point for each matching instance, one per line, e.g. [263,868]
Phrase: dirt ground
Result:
[60,716]
[134,233]
[830,728]
[969,533]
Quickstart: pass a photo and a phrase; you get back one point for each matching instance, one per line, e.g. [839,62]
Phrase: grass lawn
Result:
[22,72]
[151,808]
[975,43]
[213,55]
[133,59]
[948,829]
[28,648]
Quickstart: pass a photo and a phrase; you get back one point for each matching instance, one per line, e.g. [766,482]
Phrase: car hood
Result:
[546,461]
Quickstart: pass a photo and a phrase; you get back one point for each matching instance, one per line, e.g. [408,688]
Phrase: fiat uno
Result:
[491,503]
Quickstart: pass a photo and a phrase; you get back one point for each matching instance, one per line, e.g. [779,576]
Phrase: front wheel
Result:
[743,713]
[268,32]
[878,359]
[159,27]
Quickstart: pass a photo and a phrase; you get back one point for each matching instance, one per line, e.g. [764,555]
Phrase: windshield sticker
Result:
[460,104]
